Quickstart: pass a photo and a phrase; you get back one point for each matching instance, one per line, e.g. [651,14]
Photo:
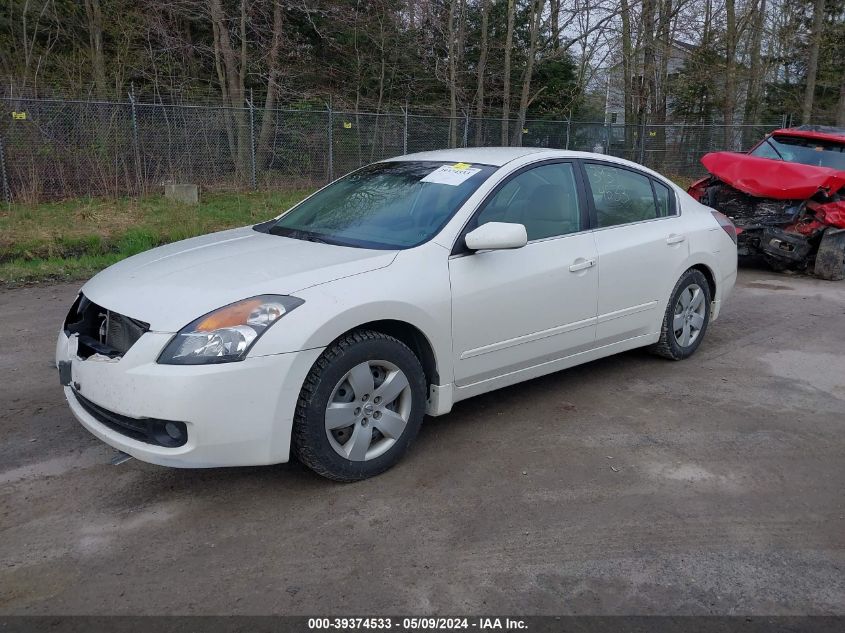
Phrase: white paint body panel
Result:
[637,271]
[516,308]
[491,318]
[242,262]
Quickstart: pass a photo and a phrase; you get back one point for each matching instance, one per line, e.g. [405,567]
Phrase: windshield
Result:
[393,205]
[808,151]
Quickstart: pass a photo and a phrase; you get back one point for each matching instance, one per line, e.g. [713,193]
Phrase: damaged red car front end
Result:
[786,197]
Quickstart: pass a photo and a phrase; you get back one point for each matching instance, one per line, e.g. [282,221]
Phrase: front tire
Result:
[830,259]
[360,408]
[686,318]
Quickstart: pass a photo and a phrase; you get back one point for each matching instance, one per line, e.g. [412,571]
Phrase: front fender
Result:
[413,290]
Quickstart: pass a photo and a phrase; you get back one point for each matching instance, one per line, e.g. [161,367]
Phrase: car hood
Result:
[170,286]
[767,178]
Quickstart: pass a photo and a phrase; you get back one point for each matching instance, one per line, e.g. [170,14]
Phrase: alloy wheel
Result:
[368,410]
[690,312]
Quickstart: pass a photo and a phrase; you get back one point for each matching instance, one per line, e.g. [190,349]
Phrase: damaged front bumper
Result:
[783,245]
[228,414]
[786,212]
[786,233]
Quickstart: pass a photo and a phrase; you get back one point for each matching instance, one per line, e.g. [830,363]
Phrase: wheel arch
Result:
[700,264]
[410,335]
[402,329]
[705,270]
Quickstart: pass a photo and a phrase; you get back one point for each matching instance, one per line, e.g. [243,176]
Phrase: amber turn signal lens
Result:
[235,314]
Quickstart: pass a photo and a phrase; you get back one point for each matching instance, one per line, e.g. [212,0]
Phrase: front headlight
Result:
[227,334]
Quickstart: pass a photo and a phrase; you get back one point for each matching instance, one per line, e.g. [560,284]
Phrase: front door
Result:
[513,309]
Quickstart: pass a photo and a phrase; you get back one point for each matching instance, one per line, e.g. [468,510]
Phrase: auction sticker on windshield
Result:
[453,175]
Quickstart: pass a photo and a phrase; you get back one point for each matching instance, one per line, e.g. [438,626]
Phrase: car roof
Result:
[815,132]
[496,156]
[499,156]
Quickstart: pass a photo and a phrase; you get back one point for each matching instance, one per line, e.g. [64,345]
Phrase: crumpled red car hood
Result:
[767,178]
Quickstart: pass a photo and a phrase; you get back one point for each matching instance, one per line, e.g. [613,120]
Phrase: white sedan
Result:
[394,292]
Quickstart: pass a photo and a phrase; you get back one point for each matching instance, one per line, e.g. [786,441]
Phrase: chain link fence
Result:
[54,149]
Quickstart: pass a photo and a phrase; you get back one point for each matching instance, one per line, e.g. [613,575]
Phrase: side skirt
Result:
[512,378]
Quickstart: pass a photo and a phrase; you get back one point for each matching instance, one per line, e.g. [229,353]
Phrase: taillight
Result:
[725,222]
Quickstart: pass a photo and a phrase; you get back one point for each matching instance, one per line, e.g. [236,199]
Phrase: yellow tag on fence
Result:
[19,116]
[347,125]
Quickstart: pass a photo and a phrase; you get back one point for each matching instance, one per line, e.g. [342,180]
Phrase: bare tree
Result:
[506,79]
[813,64]
[273,63]
[231,66]
[646,92]
[729,99]
[482,67]
[667,13]
[27,32]
[525,98]
[840,107]
[453,81]
[554,19]
[627,67]
[95,38]
[756,72]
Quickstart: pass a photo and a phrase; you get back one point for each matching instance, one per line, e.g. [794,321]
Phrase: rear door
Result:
[513,309]
[640,242]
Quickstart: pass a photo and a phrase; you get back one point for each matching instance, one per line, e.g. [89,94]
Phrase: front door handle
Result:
[675,239]
[582,264]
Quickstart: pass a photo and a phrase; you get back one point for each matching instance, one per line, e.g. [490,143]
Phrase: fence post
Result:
[331,143]
[252,138]
[135,145]
[405,130]
[568,125]
[7,195]
[466,127]
[642,141]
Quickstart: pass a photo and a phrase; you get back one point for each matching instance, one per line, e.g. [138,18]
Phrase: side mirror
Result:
[495,236]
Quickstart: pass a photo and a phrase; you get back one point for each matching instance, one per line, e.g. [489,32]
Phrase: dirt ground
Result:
[629,485]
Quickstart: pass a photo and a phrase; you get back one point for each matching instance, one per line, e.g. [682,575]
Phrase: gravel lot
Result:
[629,485]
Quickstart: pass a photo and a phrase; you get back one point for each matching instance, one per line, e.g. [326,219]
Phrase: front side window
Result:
[808,151]
[620,196]
[544,199]
[393,205]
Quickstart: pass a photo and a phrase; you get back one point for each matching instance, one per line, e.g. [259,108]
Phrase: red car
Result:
[786,197]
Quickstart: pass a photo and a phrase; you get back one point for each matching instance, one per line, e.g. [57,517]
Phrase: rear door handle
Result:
[581,264]
[675,239]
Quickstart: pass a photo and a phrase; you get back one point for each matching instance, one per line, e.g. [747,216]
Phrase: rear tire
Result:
[360,408]
[830,258]
[686,318]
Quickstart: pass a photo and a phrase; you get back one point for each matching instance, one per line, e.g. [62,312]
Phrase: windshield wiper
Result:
[305,236]
[772,145]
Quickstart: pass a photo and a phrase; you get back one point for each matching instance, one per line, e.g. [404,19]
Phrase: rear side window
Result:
[663,196]
[621,196]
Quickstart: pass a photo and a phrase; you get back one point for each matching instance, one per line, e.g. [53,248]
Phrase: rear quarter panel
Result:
[710,245]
